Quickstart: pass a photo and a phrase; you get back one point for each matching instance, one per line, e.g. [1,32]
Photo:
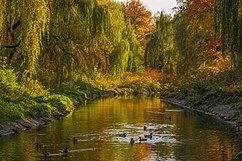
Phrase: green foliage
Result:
[77,95]
[19,101]
[61,102]
[10,111]
[227,25]
[223,88]
[238,156]
[60,42]
[159,53]
[41,110]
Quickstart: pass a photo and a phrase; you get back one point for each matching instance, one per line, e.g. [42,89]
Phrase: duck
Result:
[145,128]
[46,154]
[65,150]
[122,135]
[38,145]
[142,139]
[75,140]
[168,118]
[132,141]
[148,136]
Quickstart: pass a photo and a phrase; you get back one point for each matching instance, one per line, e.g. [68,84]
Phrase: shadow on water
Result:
[95,131]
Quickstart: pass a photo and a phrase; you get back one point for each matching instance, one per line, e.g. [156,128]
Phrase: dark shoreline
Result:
[13,127]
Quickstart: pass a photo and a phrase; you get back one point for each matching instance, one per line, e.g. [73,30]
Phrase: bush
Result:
[41,110]
[10,111]
[61,102]
[20,100]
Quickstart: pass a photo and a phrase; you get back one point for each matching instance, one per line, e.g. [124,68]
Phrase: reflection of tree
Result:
[199,137]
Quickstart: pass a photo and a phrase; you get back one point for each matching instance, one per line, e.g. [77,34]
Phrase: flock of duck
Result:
[141,139]
[75,140]
[47,153]
[65,151]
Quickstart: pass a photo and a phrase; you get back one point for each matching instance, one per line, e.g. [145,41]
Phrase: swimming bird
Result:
[168,118]
[75,140]
[148,136]
[131,141]
[46,154]
[65,150]
[142,139]
[145,128]
[38,145]
[122,135]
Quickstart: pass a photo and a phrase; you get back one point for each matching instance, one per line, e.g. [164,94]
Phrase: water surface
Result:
[178,134]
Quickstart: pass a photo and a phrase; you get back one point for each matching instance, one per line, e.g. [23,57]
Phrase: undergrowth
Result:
[22,100]
[222,88]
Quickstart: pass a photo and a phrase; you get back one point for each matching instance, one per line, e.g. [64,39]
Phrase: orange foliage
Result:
[139,18]
[200,14]
[148,76]
[197,7]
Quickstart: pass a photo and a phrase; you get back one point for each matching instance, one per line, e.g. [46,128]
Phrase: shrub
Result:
[61,102]
[41,110]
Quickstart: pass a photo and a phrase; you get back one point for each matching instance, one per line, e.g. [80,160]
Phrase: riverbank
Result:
[223,112]
[33,104]
[27,104]
[21,125]
[12,127]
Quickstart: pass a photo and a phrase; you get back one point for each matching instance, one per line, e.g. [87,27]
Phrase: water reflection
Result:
[178,134]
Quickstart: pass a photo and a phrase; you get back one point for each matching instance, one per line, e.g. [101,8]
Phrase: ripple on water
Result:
[135,131]
[174,110]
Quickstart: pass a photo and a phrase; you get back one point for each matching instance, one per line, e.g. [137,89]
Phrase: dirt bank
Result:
[20,125]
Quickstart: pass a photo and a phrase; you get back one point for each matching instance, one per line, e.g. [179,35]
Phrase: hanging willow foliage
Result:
[24,24]
[227,19]
[60,57]
[119,58]
[2,19]
[35,23]
[67,39]
[83,37]
[134,61]
[159,52]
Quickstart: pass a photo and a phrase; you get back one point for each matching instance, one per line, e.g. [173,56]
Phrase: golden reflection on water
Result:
[187,136]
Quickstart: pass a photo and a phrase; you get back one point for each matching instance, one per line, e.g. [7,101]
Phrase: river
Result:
[178,134]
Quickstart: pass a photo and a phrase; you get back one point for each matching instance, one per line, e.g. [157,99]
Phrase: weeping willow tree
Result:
[125,49]
[62,41]
[228,25]
[24,23]
[159,52]
[82,40]
[134,62]
[60,57]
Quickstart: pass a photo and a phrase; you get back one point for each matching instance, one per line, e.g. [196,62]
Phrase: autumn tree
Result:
[228,26]
[137,15]
[194,40]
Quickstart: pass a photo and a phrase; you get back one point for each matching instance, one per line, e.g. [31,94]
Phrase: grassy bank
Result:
[224,88]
